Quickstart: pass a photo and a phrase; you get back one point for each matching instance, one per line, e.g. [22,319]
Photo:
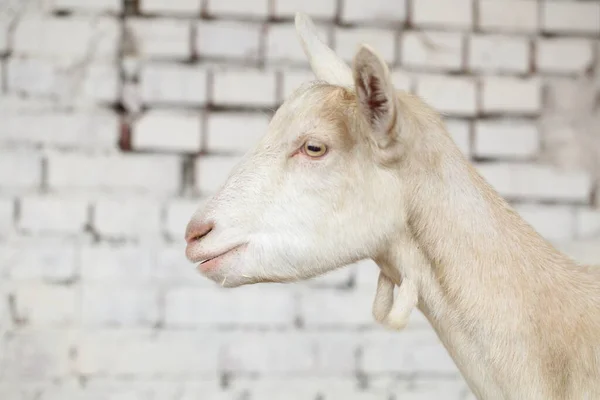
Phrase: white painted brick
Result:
[402,80]
[189,307]
[588,223]
[36,355]
[348,41]
[367,272]
[168,130]
[33,77]
[315,8]
[4,28]
[379,11]
[511,95]
[509,16]
[271,353]
[46,305]
[449,13]
[127,217]
[53,214]
[235,132]
[89,6]
[173,84]
[283,45]
[432,50]
[338,278]
[537,182]
[93,130]
[7,215]
[566,94]
[460,131]
[116,263]
[293,79]
[564,55]
[73,38]
[499,53]
[160,38]
[28,164]
[259,88]
[173,267]
[139,173]
[423,389]
[247,8]
[414,351]
[229,39]
[168,7]
[513,139]
[165,354]
[292,388]
[554,222]
[585,252]
[101,84]
[320,308]
[178,214]
[212,171]
[447,94]
[47,260]
[114,306]
[571,17]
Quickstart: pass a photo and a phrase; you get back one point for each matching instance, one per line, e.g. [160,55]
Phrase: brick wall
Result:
[118,118]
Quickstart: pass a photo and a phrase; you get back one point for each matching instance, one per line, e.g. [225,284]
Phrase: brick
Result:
[168,131]
[7,215]
[93,130]
[587,223]
[101,84]
[173,84]
[435,50]
[189,307]
[178,214]
[235,132]
[283,45]
[376,11]
[107,263]
[53,214]
[73,38]
[367,273]
[585,252]
[347,42]
[339,278]
[160,38]
[553,222]
[229,39]
[322,9]
[336,308]
[90,6]
[259,88]
[28,164]
[460,131]
[248,9]
[4,29]
[571,17]
[564,55]
[512,139]
[51,260]
[118,218]
[414,351]
[114,306]
[499,53]
[149,354]
[451,389]
[566,94]
[500,94]
[508,16]
[211,172]
[106,172]
[293,79]
[268,353]
[450,13]
[537,182]
[291,388]
[40,304]
[173,267]
[167,7]
[30,356]
[452,95]
[402,80]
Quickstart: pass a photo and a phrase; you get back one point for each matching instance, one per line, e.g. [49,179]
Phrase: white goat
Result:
[351,169]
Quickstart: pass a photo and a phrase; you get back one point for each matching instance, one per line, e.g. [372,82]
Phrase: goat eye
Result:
[313,149]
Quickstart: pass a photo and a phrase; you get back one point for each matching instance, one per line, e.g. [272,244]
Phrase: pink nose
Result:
[196,230]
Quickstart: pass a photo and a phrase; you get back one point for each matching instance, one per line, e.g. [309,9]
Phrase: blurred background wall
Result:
[118,117]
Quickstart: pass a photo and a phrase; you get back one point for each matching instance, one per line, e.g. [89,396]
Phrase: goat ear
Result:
[375,93]
[326,65]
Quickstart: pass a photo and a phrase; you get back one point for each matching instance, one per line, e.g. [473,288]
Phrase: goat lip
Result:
[208,262]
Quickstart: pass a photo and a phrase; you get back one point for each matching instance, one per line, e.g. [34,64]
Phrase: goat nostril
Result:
[195,231]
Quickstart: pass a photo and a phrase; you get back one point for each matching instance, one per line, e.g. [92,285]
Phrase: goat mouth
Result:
[206,264]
